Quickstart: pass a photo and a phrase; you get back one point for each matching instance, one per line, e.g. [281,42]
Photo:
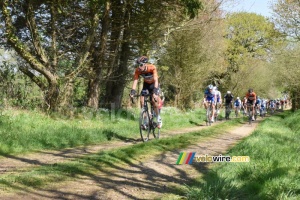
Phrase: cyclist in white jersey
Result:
[218,98]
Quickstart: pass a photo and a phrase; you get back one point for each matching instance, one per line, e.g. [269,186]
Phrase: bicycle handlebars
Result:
[138,95]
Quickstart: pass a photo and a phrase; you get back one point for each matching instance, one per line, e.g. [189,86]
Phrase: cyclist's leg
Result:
[213,112]
[212,101]
[155,102]
[253,110]
[142,101]
[144,91]
[205,103]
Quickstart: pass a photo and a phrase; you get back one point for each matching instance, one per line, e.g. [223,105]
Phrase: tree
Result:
[135,29]
[46,34]
[287,70]
[250,42]
[63,40]
[192,52]
[286,16]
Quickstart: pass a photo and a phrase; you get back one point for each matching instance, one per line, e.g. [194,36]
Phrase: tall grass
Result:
[26,131]
[272,173]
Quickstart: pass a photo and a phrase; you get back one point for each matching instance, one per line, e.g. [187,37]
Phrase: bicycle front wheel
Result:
[144,125]
[155,131]
[250,117]
[227,112]
[208,115]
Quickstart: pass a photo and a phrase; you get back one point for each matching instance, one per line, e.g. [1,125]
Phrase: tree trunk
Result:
[116,88]
[94,83]
[51,96]
[93,92]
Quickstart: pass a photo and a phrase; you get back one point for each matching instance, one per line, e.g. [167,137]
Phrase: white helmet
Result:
[228,92]
[238,97]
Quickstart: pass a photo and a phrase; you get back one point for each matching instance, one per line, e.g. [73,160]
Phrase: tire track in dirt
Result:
[142,179]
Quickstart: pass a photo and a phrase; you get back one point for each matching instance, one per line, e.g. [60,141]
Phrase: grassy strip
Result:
[24,131]
[91,165]
[272,173]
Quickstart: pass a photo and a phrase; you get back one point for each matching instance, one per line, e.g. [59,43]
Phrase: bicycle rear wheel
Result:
[144,125]
[227,112]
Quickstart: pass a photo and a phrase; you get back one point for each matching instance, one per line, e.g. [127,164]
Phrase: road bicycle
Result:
[256,111]
[147,124]
[227,110]
[237,111]
[209,110]
[249,111]
[263,111]
[272,109]
[244,110]
[218,108]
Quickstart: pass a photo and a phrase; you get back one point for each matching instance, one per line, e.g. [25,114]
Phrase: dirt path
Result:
[144,180]
[10,163]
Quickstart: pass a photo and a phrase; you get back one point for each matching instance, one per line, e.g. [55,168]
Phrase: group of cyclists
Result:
[212,96]
[252,102]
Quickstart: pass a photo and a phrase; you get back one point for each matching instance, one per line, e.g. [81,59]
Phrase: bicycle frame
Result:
[217,109]
[146,122]
[237,111]
[249,111]
[228,108]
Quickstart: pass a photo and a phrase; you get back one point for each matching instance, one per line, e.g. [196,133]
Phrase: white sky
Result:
[257,6]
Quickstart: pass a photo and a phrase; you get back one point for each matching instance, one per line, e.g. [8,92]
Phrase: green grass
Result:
[24,131]
[104,160]
[272,173]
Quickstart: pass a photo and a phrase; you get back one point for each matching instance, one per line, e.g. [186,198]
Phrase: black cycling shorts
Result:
[250,102]
[147,87]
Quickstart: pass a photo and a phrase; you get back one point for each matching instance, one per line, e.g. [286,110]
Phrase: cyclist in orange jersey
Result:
[149,73]
[251,99]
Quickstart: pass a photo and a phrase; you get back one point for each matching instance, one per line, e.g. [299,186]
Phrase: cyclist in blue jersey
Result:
[210,97]
[237,105]
[263,107]
[272,105]
[258,104]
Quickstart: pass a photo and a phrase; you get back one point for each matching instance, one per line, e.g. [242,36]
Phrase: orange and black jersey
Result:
[251,97]
[149,74]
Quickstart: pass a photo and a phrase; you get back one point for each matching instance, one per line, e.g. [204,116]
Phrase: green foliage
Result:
[192,52]
[251,40]
[192,7]
[17,90]
[249,34]
[286,17]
